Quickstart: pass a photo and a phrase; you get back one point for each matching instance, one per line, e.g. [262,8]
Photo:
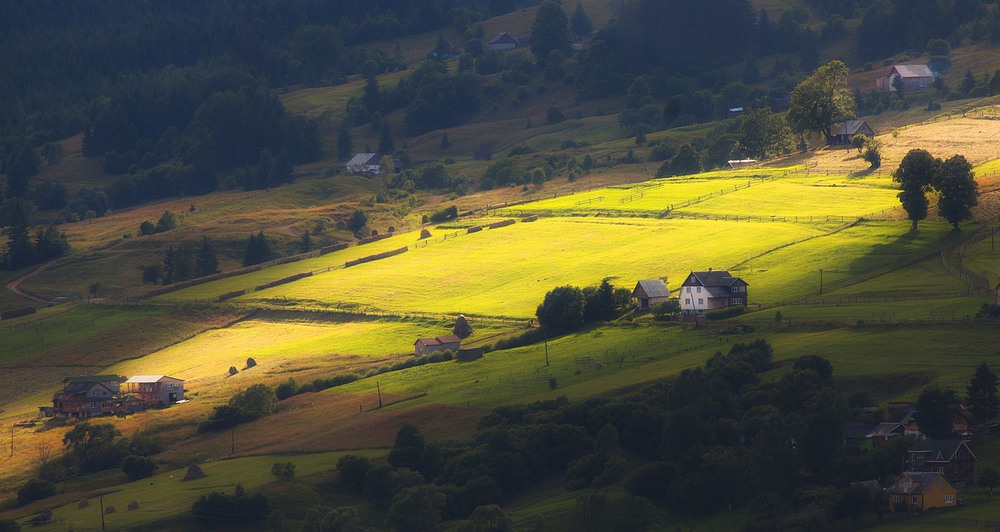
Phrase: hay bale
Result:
[134,505]
[110,510]
[194,473]
[83,504]
[424,233]
[462,328]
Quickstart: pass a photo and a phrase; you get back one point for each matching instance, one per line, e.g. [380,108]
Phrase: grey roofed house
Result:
[913,78]
[843,133]
[649,293]
[710,290]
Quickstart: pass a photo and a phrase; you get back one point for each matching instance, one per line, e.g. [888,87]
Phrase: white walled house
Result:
[365,164]
[711,290]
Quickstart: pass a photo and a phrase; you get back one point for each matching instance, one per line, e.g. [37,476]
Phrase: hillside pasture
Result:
[466,274]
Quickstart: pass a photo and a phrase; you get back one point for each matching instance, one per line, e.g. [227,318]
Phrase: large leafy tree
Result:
[915,173]
[550,30]
[957,190]
[935,412]
[764,134]
[981,394]
[820,99]
[562,309]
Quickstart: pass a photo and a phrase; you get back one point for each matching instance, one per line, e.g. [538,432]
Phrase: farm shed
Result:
[503,41]
[913,77]
[711,290]
[424,346]
[365,164]
[844,132]
[155,390]
[740,163]
[649,293]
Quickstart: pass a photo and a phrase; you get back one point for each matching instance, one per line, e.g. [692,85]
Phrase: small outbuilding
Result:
[841,134]
[155,390]
[503,41]
[733,164]
[424,346]
[649,293]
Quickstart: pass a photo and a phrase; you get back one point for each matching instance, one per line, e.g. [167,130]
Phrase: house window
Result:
[913,499]
[689,289]
[698,289]
[701,301]
[687,301]
[947,499]
[735,301]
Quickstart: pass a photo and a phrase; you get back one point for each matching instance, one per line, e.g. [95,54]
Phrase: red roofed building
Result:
[441,343]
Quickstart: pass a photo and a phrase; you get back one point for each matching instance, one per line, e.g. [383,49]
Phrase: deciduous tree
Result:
[550,30]
[935,412]
[981,394]
[957,189]
[820,99]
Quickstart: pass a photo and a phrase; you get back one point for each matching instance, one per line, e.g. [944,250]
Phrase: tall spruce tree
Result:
[981,394]
[206,261]
[20,251]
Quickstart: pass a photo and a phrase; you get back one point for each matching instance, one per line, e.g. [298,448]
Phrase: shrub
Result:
[137,467]
[286,389]
[725,313]
[352,471]
[283,472]
[553,383]
[218,507]
[35,490]
[448,213]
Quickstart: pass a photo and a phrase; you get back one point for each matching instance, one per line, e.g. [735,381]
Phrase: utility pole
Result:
[379,389]
[232,436]
[546,351]
[821,281]
[101,509]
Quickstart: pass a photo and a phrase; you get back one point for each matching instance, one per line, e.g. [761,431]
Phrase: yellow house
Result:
[917,492]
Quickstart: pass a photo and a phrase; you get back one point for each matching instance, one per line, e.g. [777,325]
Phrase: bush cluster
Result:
[725,313]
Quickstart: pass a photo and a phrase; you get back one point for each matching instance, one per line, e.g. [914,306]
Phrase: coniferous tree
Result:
[206,262]
[345,146]
[580,23]
[20,251]
[550,30]
[981,395]
[168,266]
[305,245]
[385,143]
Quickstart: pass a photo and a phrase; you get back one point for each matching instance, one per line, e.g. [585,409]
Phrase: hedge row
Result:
[333,247]
[377,256]
[221,275]
[17,312]
[375,238]
[531,218]
[724,313]
[475,229]
[230,295]
[283,280]
[502,223]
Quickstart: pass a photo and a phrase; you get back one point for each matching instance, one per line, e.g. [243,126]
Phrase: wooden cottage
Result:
[951,458]
[424,346]
[155,390]
[842,134]
[86,396]
[914,78]
[649,293]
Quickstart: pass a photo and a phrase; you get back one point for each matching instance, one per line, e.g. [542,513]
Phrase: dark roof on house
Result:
[851,127]
[652,288]
[939,450]
[92,378]
[885,429]
[913,71]
[712,278]
[919,482]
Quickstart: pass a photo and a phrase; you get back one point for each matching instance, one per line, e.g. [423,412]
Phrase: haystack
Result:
[424,233]
[194,473]
[83,503]
[462,328]
[134,505]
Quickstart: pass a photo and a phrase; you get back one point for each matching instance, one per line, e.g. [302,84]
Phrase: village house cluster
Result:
[100,395]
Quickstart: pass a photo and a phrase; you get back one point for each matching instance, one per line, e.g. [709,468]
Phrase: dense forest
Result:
[178,98]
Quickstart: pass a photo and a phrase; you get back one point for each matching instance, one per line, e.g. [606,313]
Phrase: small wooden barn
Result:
[424,346]
[841,134]
[649,293]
